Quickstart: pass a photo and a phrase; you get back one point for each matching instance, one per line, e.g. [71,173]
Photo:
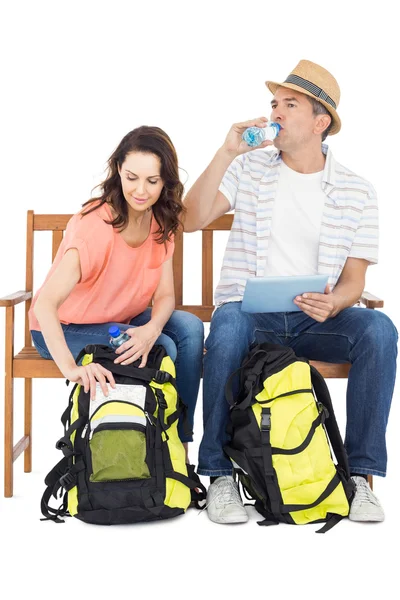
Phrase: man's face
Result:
[293,111]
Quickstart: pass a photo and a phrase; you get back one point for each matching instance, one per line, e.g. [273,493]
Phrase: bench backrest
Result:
[58,223]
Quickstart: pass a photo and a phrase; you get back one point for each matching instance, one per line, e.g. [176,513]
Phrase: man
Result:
[297,212]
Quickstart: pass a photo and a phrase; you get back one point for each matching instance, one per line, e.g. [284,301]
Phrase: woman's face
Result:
[141,180]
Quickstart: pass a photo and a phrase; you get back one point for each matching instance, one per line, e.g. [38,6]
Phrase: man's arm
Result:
[204,202]
[347,292]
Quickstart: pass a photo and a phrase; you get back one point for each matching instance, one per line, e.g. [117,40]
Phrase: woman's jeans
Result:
[182,337]
[365,338]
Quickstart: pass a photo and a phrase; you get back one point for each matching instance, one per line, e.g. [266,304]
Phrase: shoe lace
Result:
[364,492]
[227,493]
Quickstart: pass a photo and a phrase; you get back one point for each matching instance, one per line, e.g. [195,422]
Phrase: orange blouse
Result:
[117,281]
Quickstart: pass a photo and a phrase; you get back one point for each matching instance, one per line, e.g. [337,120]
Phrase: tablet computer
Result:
[276,294]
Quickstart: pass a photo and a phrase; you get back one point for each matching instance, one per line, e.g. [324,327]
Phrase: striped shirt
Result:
[349,226]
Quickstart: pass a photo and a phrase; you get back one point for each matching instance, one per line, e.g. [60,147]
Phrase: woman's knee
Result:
[185,325]
[40,344]
[169,345]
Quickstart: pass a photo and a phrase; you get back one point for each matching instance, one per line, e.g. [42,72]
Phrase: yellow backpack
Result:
[282,428]
[123,460]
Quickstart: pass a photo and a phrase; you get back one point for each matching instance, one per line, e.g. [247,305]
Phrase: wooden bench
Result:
[28,364]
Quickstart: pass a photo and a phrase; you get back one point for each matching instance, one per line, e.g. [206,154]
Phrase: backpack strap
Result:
[65,444]
[52,478]
[331,521]
[271,359]
[249,382]
[65,417]
[323,396]
[144,374]
[198,492]
[62,476]
[181,410]
[270,479]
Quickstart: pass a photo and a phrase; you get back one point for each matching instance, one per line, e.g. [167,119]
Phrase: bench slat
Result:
[50,222]
[207,268]
[29,363]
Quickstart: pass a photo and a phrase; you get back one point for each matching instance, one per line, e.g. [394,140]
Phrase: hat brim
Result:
[336,123]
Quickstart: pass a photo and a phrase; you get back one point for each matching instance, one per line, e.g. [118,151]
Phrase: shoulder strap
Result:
[250,379]
[331,426]
[51,481]
[265,359]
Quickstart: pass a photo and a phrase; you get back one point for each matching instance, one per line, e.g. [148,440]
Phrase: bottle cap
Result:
[273,124]
[114,331]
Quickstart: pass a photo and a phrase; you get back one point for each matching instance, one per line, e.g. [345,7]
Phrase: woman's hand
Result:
[235,145]
[88,375]
[141,342]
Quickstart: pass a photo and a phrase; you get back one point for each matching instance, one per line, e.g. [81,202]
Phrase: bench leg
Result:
[28,426]
[9,404]
[370,481]
[8,435]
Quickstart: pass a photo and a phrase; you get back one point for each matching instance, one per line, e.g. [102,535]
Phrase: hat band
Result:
[311,87]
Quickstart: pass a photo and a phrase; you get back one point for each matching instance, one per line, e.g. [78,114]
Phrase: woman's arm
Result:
[163,299]
[143,338]
[54,292]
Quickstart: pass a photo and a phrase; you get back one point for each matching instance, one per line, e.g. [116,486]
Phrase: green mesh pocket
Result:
[118,454]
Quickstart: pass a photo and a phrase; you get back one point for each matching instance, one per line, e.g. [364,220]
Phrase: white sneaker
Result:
[365,505]
[223,502]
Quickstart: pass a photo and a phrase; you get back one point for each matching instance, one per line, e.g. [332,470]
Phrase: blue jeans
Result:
[365,338]
[182,337]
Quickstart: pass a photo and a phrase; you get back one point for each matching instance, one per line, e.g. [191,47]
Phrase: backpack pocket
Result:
[119,443]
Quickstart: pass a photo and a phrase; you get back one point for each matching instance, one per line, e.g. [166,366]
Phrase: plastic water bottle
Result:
[116,337]
[254,136]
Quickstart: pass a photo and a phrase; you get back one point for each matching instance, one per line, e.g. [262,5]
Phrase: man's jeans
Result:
[182,337]
[366,338]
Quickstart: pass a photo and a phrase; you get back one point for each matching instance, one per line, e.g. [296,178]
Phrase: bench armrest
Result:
[371,301]
[15,298]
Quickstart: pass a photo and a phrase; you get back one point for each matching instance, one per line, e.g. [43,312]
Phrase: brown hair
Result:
[168,208]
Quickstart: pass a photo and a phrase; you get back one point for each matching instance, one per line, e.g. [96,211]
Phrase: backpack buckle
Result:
[265,422]
[67,481]
[161,377]
[323,410]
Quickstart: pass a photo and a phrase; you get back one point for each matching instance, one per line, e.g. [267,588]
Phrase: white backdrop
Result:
[75,78]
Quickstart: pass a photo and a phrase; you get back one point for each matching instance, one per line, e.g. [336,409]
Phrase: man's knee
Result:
[230,327]
[379,329]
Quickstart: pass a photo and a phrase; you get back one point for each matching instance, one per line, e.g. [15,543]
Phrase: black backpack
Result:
[123,460]
[283,429]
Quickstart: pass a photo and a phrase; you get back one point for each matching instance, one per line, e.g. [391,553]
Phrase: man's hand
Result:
[142,340]
[318,306]
[235,145]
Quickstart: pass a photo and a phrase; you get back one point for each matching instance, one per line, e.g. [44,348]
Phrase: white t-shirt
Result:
[296,224]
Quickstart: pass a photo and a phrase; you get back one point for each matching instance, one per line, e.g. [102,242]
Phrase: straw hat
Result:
[315,81]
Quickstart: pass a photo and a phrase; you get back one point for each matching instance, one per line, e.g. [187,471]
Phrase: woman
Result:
[115,257]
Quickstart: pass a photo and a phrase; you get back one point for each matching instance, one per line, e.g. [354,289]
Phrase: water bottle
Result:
[254,136]
[116,337]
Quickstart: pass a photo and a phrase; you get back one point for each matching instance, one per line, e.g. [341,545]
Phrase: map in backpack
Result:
[135,394]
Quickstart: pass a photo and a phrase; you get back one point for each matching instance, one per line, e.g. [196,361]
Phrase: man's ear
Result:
[322,122]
